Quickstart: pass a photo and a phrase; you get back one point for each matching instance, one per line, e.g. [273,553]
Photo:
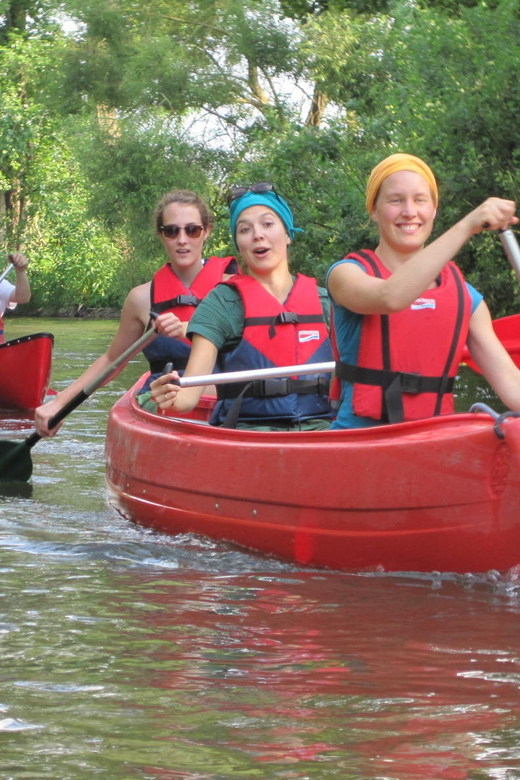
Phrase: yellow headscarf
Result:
[392,164]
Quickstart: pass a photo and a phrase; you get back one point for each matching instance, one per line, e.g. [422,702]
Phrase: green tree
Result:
[26,125]
[134,99]
[42,195]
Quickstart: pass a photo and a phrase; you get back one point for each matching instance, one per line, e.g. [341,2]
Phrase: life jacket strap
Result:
[274,387]
[394,384]
[179,300]
[267,388]
[283,318]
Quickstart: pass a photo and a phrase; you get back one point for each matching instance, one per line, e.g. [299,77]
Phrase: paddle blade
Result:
[508,332]
[15,461]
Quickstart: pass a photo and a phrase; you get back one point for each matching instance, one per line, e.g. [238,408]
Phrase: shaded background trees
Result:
[106,104]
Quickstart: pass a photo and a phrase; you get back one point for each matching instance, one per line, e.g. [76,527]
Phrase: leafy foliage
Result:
[107,104]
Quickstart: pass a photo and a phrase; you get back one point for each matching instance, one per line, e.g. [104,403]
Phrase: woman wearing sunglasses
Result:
[183,222]
[403,313]
[265,317]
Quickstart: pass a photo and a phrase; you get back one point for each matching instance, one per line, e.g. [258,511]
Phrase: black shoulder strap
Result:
[454,341]
[392,398]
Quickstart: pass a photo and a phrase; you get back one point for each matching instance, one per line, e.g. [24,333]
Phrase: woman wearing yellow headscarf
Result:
[403,313]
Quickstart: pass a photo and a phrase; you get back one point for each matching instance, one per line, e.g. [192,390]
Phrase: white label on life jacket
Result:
[308,335]
[423,303]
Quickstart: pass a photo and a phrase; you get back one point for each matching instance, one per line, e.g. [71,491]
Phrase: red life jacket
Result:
[275,334]
[168,293]
[408,360]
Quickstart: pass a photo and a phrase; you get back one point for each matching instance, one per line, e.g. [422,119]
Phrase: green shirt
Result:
[219,318]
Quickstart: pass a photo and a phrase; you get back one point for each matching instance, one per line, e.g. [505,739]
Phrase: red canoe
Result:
[25,371]
[436,495]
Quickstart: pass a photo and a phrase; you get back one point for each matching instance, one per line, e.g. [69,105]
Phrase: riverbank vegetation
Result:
[107,104]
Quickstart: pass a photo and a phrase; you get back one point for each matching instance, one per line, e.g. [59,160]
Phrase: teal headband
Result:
[269,199]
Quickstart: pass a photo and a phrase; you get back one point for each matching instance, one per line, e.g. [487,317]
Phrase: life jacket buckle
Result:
[187,300]
[274,386]
[410,382]
[288,317]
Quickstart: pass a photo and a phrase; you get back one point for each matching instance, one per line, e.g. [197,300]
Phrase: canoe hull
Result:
[25,371]
[436,495]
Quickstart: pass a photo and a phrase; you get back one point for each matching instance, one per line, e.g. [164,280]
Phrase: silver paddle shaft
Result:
[256,373]
[511,249]
[7,270]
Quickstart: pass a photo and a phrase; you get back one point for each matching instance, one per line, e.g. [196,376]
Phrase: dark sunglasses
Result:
[259,187]
[172,231]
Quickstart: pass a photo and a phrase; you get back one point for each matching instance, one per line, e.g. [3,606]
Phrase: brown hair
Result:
[188,198]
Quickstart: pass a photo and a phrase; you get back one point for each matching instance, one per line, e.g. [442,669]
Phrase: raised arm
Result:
[363,294]
[22,288]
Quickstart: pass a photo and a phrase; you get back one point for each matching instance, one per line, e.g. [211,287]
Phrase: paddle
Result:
[506,328]
[15,457]
[256,373]
[7,270]
[511,249]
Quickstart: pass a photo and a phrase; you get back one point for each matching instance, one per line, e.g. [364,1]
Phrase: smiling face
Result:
[183,252]
[261,239]
[404,211]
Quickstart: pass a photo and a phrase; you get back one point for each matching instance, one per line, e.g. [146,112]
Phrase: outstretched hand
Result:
[493,214]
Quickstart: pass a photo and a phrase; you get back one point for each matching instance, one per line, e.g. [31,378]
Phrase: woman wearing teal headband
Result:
[263,318]
[262,193]
[404,313]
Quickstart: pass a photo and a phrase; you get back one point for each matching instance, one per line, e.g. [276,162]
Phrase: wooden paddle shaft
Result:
[99,380]
[511,249]
[260,373]
[103,377]
[124,358]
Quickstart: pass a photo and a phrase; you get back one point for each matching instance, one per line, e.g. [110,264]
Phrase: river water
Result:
[128,654]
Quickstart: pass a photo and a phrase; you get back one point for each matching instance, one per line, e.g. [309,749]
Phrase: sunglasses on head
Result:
[172,231]
[258,188]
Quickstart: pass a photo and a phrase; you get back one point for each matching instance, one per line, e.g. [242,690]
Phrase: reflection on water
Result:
[129,654]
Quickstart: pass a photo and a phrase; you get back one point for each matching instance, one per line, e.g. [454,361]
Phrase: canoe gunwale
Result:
[24,339]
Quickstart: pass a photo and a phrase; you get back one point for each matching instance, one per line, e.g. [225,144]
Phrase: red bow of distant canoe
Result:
[25,371]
